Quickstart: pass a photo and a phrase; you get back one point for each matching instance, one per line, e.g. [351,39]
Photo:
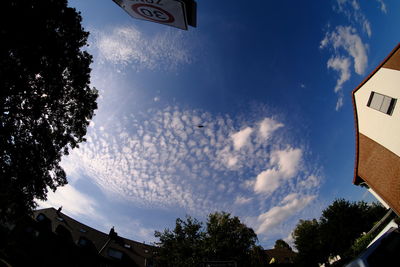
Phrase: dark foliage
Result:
[45,98]
[282,244]
[308,242]
[182,246]
[224,239]
[228,239]
[335,232]
[343,222]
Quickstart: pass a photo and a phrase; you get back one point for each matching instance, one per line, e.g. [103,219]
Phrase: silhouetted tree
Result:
[339,226]
[182,246]
[45,98]
[225,238]
[282,244]
[308,242]
[343,222]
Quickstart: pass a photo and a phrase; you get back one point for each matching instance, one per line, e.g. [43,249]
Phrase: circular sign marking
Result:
[153,13]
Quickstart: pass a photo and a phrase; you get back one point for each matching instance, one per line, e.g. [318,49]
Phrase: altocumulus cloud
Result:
[161,159]
[125,45]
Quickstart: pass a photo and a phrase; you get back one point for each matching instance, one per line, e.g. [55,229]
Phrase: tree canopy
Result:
[224,238]
[335,232]
[280,243]
[46,100]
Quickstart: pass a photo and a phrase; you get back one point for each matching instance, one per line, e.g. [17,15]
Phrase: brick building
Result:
[377,121]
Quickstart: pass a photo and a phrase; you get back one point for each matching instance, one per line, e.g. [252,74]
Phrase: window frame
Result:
[390,107]
[115,253]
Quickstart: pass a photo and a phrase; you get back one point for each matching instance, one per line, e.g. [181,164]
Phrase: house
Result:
[280,256]
[52,238]
[377,123]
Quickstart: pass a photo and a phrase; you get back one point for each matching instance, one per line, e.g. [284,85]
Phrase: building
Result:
[52,238]
[280,256]
[377,122]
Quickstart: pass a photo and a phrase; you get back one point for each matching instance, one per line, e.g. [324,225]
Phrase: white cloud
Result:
[232,160]
[289,198]
[74,203]
[241,200]
[383,6]
[352,10]
[278,214]
[285,165]
[267,181]
[355,5]
[290,240]
[367,27]
[131,228]
[241,138]
[125,45]
[347,45]
[288,161]
[268,126]
[341,65]
[346,38]
[311,181]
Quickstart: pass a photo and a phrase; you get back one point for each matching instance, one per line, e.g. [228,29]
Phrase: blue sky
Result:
[271,83]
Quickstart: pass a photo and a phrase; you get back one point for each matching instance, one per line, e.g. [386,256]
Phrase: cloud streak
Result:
[352,10]
[349,51]
[382,6]
[289,206]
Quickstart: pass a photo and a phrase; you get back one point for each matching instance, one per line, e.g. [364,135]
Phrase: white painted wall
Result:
[378,198]
[380,127]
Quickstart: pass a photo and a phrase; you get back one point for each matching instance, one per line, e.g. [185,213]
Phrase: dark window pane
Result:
[115,253]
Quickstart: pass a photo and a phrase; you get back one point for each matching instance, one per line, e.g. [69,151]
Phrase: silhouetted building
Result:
[52,238]
[280,256]
[377,120]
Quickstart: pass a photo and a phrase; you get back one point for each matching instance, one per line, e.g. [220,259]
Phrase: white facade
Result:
[378,126]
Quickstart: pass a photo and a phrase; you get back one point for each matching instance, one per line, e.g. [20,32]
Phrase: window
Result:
[82,230]
[41,217]
[127,245]
[381,103]
[116,254]
[83,242]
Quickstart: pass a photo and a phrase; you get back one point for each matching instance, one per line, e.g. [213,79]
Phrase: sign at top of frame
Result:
[168,12]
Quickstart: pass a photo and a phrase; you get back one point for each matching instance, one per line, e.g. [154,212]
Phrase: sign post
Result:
[168,12]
